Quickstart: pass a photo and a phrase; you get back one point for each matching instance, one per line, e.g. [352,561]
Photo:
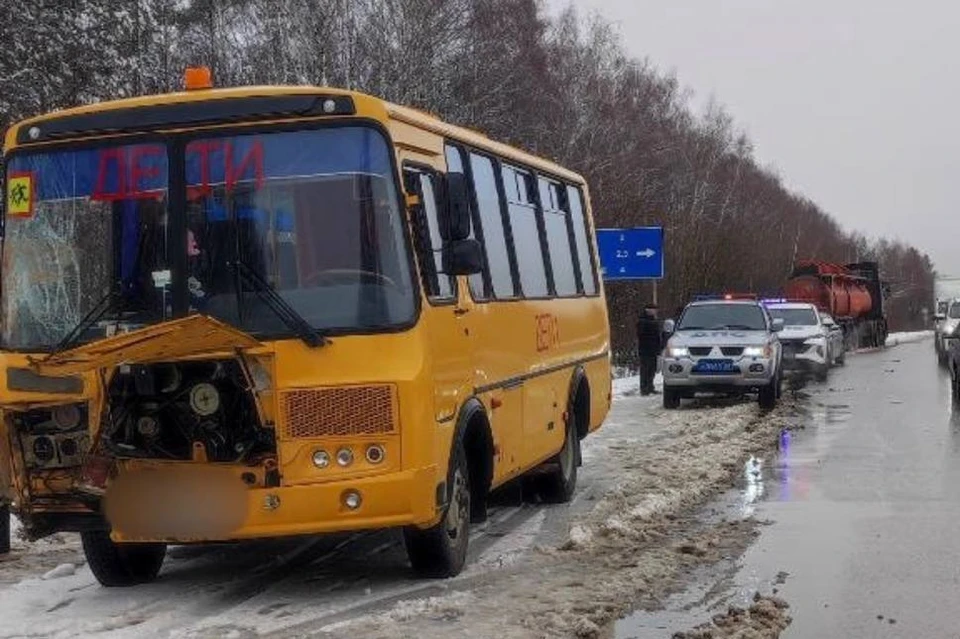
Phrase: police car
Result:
[809,345]
[727,344]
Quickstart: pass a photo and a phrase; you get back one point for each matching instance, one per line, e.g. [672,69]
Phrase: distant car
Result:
[947,329]
[837,341]
[809,345]
[722,346]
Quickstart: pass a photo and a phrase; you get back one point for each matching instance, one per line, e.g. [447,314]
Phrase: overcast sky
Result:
[855,102]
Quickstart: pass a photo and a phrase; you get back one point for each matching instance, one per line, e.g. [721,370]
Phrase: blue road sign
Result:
[631,254]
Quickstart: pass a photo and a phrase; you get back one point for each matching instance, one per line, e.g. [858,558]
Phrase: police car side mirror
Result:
[669,327]
[778,325]
[939,317]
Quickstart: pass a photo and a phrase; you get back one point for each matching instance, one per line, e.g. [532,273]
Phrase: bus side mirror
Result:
[457,223]
[462,257]
[669,326]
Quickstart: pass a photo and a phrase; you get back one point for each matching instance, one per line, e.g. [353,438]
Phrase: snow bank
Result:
[906,338]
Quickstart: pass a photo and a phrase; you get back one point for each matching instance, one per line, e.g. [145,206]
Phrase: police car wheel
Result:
[767,397]
[671,398]
[4,529]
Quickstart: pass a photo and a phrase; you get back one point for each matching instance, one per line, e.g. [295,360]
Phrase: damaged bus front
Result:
[194,321]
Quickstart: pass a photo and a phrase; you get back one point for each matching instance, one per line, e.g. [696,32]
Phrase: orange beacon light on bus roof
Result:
[197,78]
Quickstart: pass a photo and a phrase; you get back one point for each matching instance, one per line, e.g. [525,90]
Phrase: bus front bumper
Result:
[406,498]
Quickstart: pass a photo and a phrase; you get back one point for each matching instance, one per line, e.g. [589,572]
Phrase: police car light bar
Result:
[705,297]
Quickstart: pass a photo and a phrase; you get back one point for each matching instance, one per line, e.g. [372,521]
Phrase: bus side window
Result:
[427,236]
[455,164]
[581,229]
[559,239]
[526,232]
[491,225]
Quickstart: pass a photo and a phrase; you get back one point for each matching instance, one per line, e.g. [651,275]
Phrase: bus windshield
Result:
[314,213]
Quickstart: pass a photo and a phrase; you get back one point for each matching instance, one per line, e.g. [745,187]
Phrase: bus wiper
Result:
[281,308]
[104,305]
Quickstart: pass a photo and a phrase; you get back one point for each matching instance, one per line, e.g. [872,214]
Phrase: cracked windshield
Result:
[493,319]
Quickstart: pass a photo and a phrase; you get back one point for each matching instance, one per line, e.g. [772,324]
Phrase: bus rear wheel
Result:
[558,486]
[117,565]
[441,550]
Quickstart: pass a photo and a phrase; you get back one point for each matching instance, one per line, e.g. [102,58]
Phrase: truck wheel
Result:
[116,565]
[558,487]
[441,550]
[671,398]
[4,529]
[767,397]
[823,373]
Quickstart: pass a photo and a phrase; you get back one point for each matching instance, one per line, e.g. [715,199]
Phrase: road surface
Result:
[667,529]
[864,505]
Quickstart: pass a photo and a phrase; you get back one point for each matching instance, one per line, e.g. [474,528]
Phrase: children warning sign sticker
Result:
[20,195]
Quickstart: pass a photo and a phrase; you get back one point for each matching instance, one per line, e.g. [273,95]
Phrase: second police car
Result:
[810,343]
[723,345]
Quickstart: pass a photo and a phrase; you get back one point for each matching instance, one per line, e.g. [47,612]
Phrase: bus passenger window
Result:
[494,238]
[588,276]
[526,233]
[558,239]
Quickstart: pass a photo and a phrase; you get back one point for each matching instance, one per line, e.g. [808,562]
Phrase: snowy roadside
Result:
[906,338]
[631,546]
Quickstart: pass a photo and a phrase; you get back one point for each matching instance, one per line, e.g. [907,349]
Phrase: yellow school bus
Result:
[257,312]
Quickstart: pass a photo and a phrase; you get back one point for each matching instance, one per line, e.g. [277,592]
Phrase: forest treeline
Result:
[562,86]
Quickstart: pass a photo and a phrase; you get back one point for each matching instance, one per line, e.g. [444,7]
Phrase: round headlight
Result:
[344,456]
[66,417]
[351,499]
[321,459]
[375,453]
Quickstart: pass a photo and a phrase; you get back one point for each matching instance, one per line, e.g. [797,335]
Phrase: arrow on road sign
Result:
[646,253]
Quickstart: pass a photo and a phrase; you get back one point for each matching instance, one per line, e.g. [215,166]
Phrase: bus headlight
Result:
[321,459]
[344,456]
[375,453]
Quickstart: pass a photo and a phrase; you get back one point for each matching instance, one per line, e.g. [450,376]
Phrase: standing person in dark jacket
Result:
[649,346]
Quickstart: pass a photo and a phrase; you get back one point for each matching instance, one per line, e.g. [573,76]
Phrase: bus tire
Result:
[441,550]
[560,483]
[4,529]
[118,565]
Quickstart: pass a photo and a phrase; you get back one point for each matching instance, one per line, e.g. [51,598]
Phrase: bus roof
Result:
[366,105]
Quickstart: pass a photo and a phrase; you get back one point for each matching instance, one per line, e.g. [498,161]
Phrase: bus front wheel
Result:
[441,551]
[118,565]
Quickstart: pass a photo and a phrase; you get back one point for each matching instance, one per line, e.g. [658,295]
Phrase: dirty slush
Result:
[634,548]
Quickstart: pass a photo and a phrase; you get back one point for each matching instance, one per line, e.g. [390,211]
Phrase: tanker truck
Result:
[853,294]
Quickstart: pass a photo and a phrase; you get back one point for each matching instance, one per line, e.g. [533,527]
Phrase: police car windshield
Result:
[795,316]
[955,311]
[744,317]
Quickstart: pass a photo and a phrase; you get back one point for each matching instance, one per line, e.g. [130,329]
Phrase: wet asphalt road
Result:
[863,506]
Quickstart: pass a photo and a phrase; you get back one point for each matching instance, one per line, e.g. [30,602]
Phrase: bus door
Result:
[447,337]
